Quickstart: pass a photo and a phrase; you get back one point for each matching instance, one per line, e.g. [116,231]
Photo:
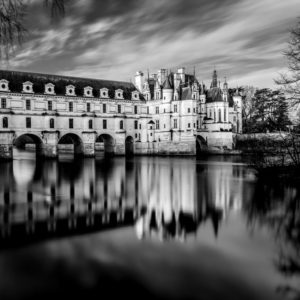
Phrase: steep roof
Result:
[186,93]
[17,78]
[214,95]
[168,84]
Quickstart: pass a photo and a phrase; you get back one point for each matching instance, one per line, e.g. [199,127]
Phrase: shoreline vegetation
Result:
[272,154]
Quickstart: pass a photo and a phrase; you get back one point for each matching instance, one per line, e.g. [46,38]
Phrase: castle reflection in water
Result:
[162,197]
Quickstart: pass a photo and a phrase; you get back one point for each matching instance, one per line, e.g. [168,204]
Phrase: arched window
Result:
[121,124]
[225,114]
[90,124]
[220,115]
[51,123]
[5,122]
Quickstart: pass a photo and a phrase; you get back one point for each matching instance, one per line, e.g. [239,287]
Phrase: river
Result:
[147,228]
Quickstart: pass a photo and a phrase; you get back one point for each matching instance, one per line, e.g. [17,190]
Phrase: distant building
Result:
[167,113]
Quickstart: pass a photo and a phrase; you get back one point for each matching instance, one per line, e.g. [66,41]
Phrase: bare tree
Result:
[291,81]
[12,30]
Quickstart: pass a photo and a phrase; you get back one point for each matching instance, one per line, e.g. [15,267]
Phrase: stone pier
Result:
[6,145]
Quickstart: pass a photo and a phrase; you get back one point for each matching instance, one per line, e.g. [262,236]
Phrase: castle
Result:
[168,113]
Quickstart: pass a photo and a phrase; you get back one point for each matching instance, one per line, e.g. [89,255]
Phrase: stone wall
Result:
[165,148]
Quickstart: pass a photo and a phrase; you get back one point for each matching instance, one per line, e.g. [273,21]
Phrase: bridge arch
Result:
[29,141]
[68,139]
[201,144]
[129,146]
[107,143]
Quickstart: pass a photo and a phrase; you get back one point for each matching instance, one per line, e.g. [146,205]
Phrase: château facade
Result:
[167,113]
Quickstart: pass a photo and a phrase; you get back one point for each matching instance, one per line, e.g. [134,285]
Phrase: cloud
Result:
[114,38]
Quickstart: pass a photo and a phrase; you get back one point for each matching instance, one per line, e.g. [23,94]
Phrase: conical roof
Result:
[168,83]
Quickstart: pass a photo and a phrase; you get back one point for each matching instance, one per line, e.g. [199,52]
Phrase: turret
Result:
[167,90]
[214,83]
[146,91]
[225,90]
[157,90]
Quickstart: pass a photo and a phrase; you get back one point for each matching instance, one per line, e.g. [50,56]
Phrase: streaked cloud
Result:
[114,38]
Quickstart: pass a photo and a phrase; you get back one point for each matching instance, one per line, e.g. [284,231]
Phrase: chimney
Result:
[139,80]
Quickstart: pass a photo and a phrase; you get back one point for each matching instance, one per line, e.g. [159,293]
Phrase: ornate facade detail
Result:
[27,87]
[50,89]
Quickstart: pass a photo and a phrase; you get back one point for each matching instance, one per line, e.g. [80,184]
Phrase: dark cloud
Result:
[114,38]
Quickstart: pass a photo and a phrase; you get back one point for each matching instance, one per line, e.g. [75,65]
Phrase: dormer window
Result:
[104,93]
[135,95]
[49,89]
[4,85]
[70,90]
[88,91]
[27,87]
[119,94]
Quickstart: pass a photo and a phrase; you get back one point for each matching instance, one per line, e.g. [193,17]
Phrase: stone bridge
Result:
[48,143]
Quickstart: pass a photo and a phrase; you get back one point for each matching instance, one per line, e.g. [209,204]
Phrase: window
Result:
[175,108]
[225,115]
[5,122]
[194,110]
[3,102]
[49,105]
[194,125]
[121,124]
[88,107]
[70,106]
[104,108]
[197,124]
[90,124]
[234,119]
[104,124]
[157,124]
[28,104]
[189,110]
[135,124]
[164,110]
[147,110]
[157,110]
[220,116]
[71,123]
[189,125]
[135,109]
[28,122]
[215,117]
[175,123]
[140,126]
[119,109]
[51,123]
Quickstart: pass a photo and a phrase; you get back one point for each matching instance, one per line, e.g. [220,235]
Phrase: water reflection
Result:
[210,204]
[276,205]
[167,198]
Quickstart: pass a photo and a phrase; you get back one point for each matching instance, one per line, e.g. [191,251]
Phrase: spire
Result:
[225,85]
[214,82]
[167,84]
[237,91]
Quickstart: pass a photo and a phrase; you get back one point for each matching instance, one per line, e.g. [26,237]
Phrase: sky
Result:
[112,39]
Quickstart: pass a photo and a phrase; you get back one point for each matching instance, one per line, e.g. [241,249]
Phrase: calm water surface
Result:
[160,228]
